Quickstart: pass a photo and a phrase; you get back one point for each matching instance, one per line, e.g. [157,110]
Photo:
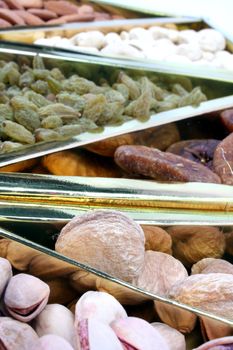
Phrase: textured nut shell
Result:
[106,240]
[213,344]
[139,334]
[24,291]
[193,243]
[157,239]
[52,342]
[108,147]
[100,306]
[56,319]
[5,273]
[174,339]
[69,163]
[211,292]
[16,335]
[211,265]
[229,242]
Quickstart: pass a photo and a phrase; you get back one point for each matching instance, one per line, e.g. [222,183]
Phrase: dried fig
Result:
[227,119]
[199,151]
[223,160]
[193,243]
[157,239]
[161,166]
[106,240]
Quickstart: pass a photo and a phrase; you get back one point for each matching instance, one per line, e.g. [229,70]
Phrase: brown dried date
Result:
[227,119]
[223,160]
[199,151]
[162,166]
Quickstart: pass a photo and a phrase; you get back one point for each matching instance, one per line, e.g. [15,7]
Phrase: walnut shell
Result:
[193,243]
[157,239]
[106,240]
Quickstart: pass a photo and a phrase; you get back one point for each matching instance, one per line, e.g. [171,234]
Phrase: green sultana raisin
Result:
[17,132]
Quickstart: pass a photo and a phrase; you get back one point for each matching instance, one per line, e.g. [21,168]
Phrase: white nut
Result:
[86,49]
[112,38]
[211,40]
[187,36]
[124,35]
[192,51]
[140,34]
[122,49]
[93,38]
[158,32]
[208,56]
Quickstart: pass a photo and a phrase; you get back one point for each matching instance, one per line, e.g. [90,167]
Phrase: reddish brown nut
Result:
[157,239]
[29,18]
[223,160]
[162,166]
[86,9]
[32,3]
[11,16]
[43,14]
[102,16]
[3,5]
[14,4]
[4,23]
[59,20]
[199,151]
[77,18]
[61,7]
[227,119]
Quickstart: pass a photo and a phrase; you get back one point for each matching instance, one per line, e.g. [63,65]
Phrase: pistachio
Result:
[5,273]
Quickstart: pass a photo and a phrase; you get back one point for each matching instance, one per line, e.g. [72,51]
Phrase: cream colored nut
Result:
[211,265]
[91,39]
[140,34]
[208,56]
[159,32]
[107,240]
[124,35]
[122,49]
[188,36]
[112,38]
[211,40]
[86,49]
[192,51]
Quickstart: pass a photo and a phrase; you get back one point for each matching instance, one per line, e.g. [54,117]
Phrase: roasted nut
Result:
[193,243]
[60,290]
[11,17]
[42,13]
[161,166]
[211,265]
[200,151]
[30,18]
[68,163]
[14,4]
[32,3]
[91,239]
[229,242]
[20,166]
[61,7]
[108,147]
[157,239]
[223,160]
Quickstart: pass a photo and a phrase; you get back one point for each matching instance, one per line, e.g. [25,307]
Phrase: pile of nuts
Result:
[47,12]
[95,316]
[206,47]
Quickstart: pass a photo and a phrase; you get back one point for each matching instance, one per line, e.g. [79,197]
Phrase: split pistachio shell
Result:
[16,335]
[56,319]
[211,329]
[225,343]
[25,297]
[95,335]
[5,273]
[160,272]
[211,292]
[174,339]
[51,342]
[135,333]
[100,306]
[106,240]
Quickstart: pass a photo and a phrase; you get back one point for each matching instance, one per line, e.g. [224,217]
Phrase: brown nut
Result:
[157,239]
[210,265]
[42,13]
[76,17]
[161,166]
[108,147]
[227,119]
[20,166]
[3,5]
[85,9]
[160,137]
[11,17]
[14,4]
[61,7]
[68,163]
[193,243]
[223,160]
[106,240]
[29,18]
[32,3]
[229,242]
[4,23]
